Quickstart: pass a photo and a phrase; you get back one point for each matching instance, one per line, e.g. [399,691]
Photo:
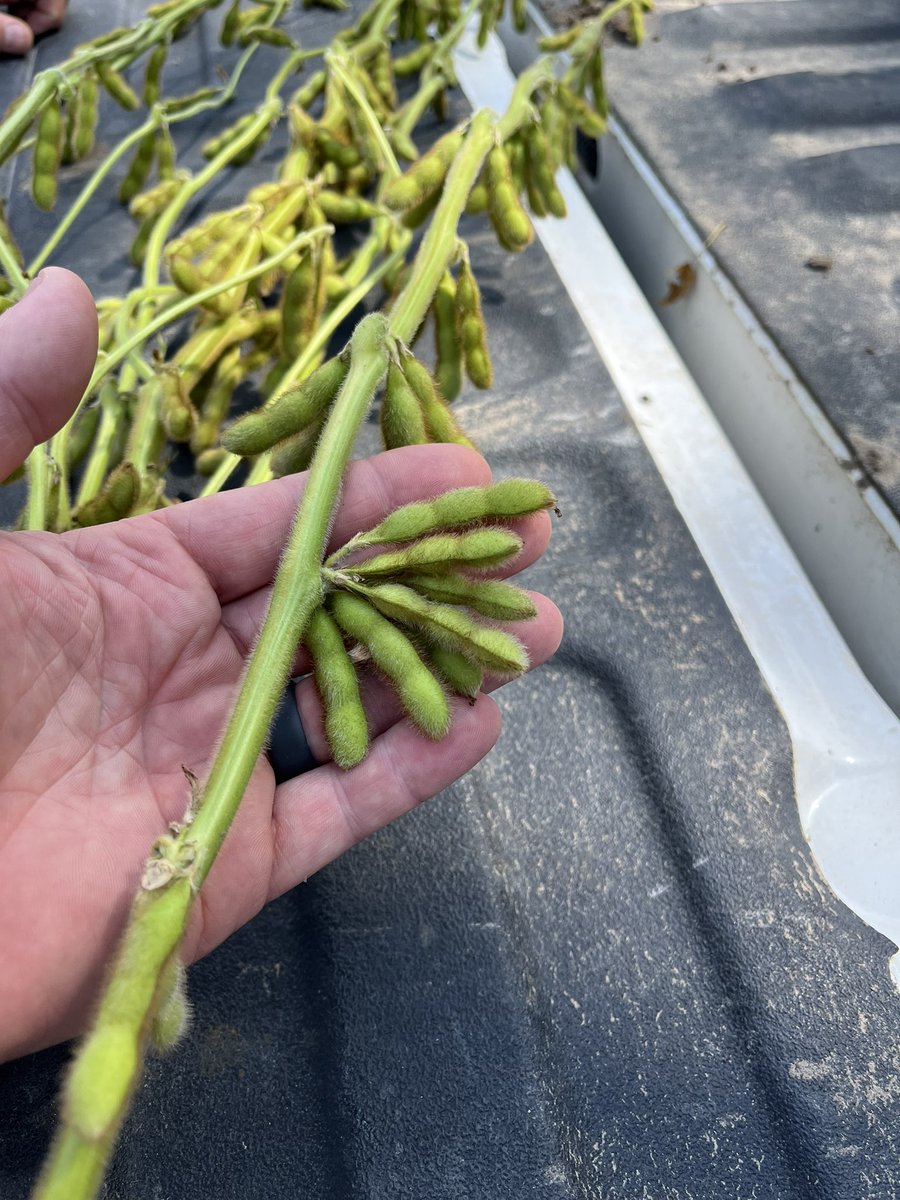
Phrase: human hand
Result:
[122,648]
[28,20]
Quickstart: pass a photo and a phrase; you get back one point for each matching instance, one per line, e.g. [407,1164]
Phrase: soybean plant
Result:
[257,292]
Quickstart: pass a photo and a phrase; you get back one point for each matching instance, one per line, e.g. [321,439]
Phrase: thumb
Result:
[48,347]
[16,37]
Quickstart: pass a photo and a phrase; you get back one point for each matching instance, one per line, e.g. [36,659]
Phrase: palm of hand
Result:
[119,671]
[122,648]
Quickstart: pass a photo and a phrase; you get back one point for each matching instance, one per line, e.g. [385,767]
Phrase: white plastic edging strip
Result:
[845,740]
[839,526]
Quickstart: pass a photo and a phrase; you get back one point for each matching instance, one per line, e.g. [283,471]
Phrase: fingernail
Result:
[14,39]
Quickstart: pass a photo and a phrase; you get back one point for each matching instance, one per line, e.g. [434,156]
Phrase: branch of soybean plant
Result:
[144,977]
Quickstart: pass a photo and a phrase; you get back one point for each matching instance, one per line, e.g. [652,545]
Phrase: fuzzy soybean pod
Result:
[227,303]
[228,373]
[309,92]
[412,63]
[402,423]
[541,172]
[139,170]
[117,87]
[490,597]
[299,307]
[520,15]
[215,144]
[463,506]
[472,329]
[82,435]
[598,84]
[288,413]
[117,497]
[440,423]
[345,210]
[478,199]
[47,155]
[178,415]
[461,676]
[425,177]
[230,24]
[508,217]
[589,122]
[166,154]
[396,657]
[151,203]
[448,360]
[346,727]
[490,648]
[173,1011]
[153,74]
[295,453]
[382,76]
[477,550]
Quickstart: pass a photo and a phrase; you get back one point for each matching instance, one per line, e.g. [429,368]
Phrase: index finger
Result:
[238,536]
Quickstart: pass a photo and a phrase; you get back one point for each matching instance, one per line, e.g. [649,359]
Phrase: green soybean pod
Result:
[472,329]
[47,155]
[288,413]
[298,303]
[638,28]
[490,13]
[382,76]
[309,92]
[462,506]
[118,87]
[552,43]
[173,1011]
[440,423]
[116,499]
[508,217]
[152,202]
[153,74]
[139,170]
[489,597]
[520,15]
[478,199]
[345,210]
[6,234]
[177,414]
[166,154]
[448,360]
[346,727]
[541,170]
[589,122]
[477,550]
[558,128]
[460,675]
[265,35]
[598,84]
[490,648]
[414,61]
[100,1080]
[230,24]
[228,373]
[208,461]
[515,152]
[402,145]
[402,423]
[335,150]
[396,657]
[296,452]
[425,176]
[82,435]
